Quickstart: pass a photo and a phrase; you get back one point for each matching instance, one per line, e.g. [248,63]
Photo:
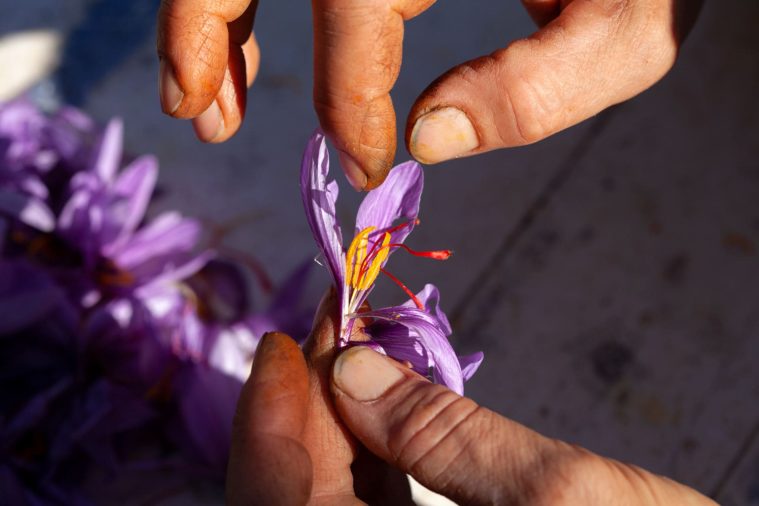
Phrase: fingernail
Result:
[168,89]
[356,177]
[441,135]
[209,125]
[363,374]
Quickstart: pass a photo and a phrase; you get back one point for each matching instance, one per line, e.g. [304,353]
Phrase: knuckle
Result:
[647,30]
[530,105]
[437,427]
[529,95]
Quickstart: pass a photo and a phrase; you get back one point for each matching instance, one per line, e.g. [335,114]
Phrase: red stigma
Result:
[403,225]
[443,254]
[404,288]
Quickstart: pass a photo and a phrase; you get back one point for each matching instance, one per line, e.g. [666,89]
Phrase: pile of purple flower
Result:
[123,346]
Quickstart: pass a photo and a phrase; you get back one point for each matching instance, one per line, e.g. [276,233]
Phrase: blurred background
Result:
[610,273]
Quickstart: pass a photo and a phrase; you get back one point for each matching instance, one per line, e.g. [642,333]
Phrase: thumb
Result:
[446,442]
[593,55]
[473,455]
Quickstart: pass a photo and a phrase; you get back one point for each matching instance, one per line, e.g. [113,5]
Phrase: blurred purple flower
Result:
[101,218]
[31,146]
[114,333]
[415,331]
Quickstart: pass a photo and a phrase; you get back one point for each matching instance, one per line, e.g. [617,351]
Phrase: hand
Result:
[474,456]
[587,56]
[290,447]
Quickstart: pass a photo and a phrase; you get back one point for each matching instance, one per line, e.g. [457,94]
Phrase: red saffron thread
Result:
[404,288]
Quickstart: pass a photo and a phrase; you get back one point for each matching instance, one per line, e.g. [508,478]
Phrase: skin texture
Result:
[310,429]
[586,56]
[289,446]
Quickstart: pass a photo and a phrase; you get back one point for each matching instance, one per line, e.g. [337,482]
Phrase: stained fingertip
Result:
[275,352]
[274,342]
[353,171]
[377,176]
[274,399]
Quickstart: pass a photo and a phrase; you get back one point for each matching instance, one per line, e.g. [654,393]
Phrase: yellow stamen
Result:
[356,255]
[358,275]
[374,267]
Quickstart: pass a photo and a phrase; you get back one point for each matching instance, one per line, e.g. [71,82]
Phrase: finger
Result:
[268,463]
[325,437]
[433,434]
[472,455]
[594,55]
[194,38]
[224,116]
[357,57]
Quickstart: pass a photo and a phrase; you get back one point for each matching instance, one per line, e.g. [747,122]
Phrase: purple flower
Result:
[36,150]
[102,218]
[414,332]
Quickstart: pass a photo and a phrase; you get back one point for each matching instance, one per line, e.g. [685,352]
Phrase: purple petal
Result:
[207,406]
[169,234]
[173,318]
[75,118]
[319,199]
[109,151]
[74,220]
[470,364]
[29,210]
[444,362]
[399,342]
[429,296]
[170,269]
[233,349]
[131,192]
[34,187]
[68,133]
[398,197]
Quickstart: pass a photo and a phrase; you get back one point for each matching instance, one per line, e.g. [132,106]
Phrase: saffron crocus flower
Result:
[37,152]
[414,332]
[102,215]
[101,219]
